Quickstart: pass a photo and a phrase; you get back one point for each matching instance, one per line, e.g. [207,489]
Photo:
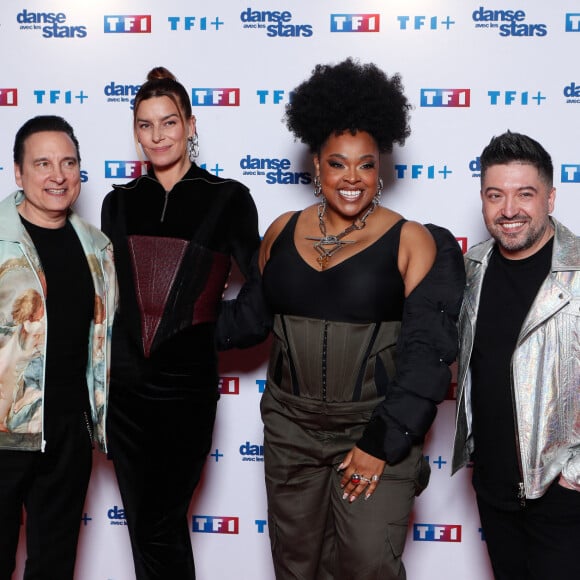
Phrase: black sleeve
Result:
[246,320]
[427,345]
[244,234]
[106,215]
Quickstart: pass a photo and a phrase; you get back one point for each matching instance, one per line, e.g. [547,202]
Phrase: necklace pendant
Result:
[323,261]
[328,244]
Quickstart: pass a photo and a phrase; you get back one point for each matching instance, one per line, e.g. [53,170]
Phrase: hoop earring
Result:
[192,147]
[317,186]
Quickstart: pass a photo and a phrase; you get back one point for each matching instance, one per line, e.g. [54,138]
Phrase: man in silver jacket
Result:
[518,399]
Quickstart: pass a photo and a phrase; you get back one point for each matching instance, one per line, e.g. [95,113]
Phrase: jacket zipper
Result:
[521,495]
[88,423]
[164,207]
[33,269]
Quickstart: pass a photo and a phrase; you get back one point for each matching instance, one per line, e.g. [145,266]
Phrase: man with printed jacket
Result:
[518,400]
[57,299]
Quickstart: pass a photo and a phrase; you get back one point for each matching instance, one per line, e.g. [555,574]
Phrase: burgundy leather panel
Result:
[155,262]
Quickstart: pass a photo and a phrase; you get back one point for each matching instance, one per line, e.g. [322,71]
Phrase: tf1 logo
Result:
[215,524]
[125,169]
[124,24]
[229,385]
[445,97]
[355,22]
[436,533]
[215,97]
[8,97]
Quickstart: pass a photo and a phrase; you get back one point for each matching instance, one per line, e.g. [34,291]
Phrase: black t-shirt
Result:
[70,305]
[508,291]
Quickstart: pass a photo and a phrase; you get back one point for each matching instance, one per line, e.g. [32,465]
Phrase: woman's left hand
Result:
[362,474]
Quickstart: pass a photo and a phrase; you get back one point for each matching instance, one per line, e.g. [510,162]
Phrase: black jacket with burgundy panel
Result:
[173,254]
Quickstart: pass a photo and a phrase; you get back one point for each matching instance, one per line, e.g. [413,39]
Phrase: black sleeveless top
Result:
[366,287]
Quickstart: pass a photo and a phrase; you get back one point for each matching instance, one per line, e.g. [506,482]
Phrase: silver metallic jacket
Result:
[545,369]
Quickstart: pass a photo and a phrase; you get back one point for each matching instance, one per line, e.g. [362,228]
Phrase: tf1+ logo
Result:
[8,97]
[417,171]
[124,24]
[125,169]
[355,22]
[423,22]
[445,97]
[215,524]
[436,533]
[54,96]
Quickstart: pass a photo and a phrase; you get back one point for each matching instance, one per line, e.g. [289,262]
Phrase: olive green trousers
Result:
[314,533]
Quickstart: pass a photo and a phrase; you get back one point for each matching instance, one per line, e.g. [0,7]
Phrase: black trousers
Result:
[538,542]
[51,486]
[159,443]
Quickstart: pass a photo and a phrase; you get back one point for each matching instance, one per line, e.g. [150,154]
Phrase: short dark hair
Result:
[510,147]
[38,125]
[350,97]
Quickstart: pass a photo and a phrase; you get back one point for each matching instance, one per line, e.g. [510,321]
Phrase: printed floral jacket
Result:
[23,331]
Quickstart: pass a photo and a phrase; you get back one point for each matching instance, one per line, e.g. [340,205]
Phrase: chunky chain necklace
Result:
[329,244]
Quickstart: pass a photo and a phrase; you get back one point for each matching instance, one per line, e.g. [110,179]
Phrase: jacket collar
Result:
[566,254]
[12,230]
[10,224]
[194,172]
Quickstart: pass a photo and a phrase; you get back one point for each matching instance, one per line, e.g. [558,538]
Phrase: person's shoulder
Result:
[416,236]
[271,235]
[564,232]
[278,225]
[566,253]
[120,188]
[9,200]
[197,172]
[90,230]
[477,252]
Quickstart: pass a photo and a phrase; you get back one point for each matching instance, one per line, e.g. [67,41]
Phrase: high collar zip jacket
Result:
[23,381]
[545,369]
[211,220]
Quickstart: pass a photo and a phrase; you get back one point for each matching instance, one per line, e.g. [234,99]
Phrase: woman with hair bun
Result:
[175,231]
[365,306]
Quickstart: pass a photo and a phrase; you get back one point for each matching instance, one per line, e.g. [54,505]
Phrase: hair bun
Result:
[159,73]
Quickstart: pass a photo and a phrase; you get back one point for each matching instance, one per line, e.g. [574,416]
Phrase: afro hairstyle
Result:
[351,97]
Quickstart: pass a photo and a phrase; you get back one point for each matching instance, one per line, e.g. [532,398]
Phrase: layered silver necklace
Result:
[329,244]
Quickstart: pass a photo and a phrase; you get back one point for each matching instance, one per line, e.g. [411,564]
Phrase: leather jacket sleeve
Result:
[427,345]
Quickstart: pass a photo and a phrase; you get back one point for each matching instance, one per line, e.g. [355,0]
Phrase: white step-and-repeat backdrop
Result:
[472,69]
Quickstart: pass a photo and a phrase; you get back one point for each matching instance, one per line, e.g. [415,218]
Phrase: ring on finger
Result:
[375,478]
[355,478]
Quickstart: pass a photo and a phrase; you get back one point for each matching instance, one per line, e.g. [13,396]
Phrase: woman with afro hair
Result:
[365,305]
